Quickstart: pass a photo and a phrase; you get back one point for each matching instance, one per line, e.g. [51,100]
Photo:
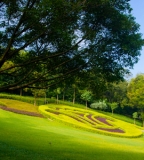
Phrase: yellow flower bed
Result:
[90,120]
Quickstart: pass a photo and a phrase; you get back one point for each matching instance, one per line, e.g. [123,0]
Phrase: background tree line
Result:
[124,97]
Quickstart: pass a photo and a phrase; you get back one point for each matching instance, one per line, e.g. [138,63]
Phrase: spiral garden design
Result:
[89,120]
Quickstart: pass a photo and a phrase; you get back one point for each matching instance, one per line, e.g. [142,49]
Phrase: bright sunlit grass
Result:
[30,138]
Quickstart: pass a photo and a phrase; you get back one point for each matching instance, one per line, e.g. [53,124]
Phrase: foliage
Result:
[113,106]
[135,93]
[46,42]
[57,91]
[86,96]
[99,105]
[116,92]
[135,115]
[38,93]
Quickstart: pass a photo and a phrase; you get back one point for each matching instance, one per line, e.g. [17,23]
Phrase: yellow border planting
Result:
[90,120]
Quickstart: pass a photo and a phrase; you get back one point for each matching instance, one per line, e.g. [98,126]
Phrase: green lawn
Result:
[29,138]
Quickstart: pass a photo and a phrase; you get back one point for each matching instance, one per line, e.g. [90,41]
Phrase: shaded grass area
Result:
[26,138]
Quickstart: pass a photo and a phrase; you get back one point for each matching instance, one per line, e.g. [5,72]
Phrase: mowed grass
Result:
[30,138]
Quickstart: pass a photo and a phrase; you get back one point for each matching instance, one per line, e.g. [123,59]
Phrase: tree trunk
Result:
[63,96]
[57,98]
[134,121]
[112,111]
[45,98]
[86,104]
[34,101]
[21,91]
[142,116]
[74,96]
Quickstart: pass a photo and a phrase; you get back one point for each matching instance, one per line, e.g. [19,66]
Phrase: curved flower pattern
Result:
[90,120]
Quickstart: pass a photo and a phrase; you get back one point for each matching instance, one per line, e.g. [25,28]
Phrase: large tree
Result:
[116,92]
[45,41]
[136,93]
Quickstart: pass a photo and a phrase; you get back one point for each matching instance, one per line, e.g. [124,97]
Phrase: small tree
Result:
[57,91]
[113,106]
[86,96]
[37,93]
[135,115]
[46,91]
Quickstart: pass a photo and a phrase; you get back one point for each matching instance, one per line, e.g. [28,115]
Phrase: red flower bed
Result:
[112,130]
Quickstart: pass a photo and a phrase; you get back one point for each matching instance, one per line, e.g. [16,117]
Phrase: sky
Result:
[138,13]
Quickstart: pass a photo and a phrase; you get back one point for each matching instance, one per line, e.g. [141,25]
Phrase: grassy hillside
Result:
[32,138]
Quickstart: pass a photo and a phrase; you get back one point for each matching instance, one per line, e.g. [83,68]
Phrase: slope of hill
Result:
[31,138]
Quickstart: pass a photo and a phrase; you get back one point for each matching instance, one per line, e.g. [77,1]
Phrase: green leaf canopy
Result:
[63,37]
